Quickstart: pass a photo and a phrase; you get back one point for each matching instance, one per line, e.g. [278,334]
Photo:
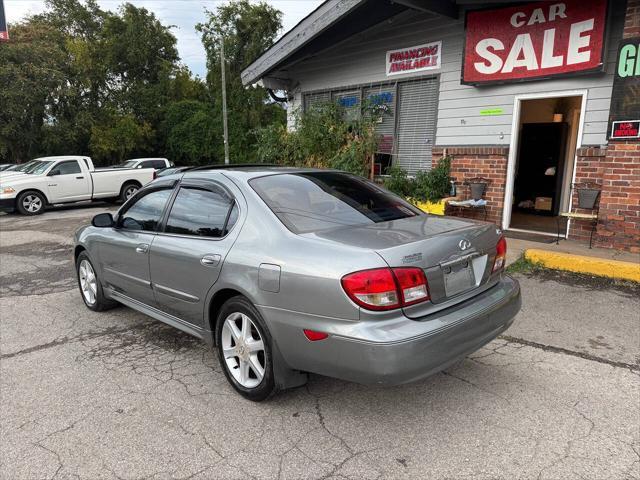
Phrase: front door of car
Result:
[186,258]
[66,182]
[125,254]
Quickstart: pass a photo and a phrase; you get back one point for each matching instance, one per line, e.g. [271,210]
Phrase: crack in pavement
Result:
[573,353]
[79,338]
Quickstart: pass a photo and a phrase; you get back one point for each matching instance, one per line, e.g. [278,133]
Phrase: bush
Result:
[430,186]
[321,139]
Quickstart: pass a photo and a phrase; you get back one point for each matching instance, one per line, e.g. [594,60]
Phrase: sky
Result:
[184,14]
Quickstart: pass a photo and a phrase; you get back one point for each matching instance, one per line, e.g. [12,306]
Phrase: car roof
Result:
[248,171]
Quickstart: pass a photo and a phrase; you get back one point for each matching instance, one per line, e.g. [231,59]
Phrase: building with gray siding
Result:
[518,94]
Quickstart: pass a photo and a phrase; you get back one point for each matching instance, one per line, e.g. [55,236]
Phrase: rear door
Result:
[67,182]
[125,256]
[186,258]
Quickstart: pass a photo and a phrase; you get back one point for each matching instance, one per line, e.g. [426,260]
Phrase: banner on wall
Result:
[624,115]
[533,41]
[414,59]
[4,31]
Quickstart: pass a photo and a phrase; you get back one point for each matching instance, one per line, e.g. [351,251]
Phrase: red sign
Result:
[534,40]
[626,129]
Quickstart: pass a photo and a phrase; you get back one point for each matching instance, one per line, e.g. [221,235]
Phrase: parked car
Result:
[287,271]
[17,169]
[4,166]
[156,163]
[67,179]
[171,170]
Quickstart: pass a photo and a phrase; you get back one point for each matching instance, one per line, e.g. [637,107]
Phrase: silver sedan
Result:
[289,271]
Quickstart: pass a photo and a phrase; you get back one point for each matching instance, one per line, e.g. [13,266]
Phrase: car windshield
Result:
[314,201]
[38,167]
[128,164]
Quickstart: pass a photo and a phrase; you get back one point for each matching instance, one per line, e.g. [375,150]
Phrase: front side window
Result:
[145,213]
[128,164]
[310,202]
[67,168]
[201,212]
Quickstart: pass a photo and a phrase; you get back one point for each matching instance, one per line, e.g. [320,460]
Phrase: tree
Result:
[32,76]
[247,29]
[192,133]
[122,136]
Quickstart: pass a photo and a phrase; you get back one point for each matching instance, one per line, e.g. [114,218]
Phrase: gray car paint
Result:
[364,346]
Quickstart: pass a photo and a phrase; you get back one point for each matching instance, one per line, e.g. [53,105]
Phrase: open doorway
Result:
[543,162]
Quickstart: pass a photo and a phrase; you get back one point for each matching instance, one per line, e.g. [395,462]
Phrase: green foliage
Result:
[248,29]
[430,185]
[193,133]
[323,139]
[120,137]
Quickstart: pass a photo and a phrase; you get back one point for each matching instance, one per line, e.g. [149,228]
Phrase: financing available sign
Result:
[4,32]
[534,40]
[414,59]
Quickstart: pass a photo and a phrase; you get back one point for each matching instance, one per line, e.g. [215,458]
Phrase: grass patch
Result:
[524,265]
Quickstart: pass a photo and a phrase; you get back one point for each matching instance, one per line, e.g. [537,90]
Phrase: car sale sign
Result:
[534,40]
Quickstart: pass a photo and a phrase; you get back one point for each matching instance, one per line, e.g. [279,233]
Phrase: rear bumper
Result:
[396,350]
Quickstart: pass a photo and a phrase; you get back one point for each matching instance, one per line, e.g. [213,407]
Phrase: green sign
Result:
[491,111]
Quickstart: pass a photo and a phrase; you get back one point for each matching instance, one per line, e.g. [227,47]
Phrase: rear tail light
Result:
[155,174]
[501,255]
[386,288]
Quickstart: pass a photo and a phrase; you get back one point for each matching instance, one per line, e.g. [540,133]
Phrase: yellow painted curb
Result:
[601,267]
[435,208]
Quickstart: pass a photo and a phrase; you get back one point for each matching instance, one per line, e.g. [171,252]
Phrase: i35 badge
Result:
[464,244]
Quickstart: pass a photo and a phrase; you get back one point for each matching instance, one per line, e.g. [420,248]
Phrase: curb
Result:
[601,267]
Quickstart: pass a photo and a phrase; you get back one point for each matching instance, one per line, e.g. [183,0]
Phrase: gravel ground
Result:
[89,395]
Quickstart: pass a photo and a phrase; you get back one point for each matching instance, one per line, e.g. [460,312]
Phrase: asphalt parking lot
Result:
[89,395]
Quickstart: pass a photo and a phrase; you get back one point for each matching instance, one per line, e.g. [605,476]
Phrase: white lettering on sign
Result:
[537,39]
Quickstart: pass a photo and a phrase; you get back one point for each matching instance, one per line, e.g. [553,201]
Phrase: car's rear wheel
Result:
[128,191]
[244,349]
[30,203]
[89,284]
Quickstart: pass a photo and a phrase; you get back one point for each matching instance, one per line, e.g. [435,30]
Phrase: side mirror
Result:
[103,220]
[54,172]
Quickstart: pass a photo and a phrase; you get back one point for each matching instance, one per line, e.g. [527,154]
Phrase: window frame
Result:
[201,184]
[57,165]
[141,194]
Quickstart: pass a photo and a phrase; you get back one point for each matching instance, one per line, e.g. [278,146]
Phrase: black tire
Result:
[128,190]
[266,386]
[101,303]
[36,201]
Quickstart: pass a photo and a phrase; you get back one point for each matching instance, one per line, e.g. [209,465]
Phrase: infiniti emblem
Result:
[464,244]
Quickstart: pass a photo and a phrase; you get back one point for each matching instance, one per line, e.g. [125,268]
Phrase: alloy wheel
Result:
[130,192]
[32,203]
[88,282]
[243,349]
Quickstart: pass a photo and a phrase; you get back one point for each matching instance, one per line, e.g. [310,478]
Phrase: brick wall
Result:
[470,162]
[632,19]
[590,166]
[619,217]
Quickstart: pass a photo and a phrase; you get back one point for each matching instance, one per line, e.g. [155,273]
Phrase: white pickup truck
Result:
[67,179]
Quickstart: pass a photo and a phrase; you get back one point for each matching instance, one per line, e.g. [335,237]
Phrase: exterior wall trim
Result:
[514,144]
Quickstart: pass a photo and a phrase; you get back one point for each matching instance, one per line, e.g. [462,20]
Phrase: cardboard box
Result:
[544,203]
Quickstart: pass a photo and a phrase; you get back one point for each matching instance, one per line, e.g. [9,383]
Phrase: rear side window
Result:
[201,212]
[310,202]
[146,212]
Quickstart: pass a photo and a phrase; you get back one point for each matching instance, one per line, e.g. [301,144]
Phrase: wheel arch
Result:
[215,304]
[77,251]
[37,190]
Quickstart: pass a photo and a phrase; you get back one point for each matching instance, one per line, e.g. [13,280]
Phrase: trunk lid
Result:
[456,254]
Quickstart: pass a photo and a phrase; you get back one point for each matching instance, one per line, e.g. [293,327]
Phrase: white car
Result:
[156,163]
[67,179]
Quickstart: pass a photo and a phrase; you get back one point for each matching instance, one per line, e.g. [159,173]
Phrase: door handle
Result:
[142,248]
[210,260]
[79,178]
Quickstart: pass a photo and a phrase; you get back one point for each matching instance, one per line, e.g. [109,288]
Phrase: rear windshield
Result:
[310,202]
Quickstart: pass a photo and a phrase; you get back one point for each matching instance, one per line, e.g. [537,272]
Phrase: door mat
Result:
[530,237]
